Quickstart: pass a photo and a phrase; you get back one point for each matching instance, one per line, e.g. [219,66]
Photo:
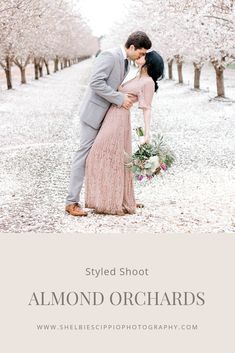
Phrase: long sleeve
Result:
[104,65]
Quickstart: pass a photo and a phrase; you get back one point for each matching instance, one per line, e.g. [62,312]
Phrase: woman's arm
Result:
[145,101]
[147,120]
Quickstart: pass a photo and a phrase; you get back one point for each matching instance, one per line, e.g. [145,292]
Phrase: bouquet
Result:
[150,159]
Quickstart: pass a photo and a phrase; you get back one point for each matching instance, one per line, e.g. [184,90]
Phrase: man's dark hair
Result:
[139,39]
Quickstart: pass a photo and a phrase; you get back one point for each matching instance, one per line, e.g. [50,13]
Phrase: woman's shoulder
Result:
[147,81]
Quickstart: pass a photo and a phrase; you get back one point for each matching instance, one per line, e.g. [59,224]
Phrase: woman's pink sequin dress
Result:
[109,186]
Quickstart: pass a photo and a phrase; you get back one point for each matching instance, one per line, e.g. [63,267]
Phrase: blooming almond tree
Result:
[40,31]
[23,45]
[210,27]
[11,25]
[193,40]
[183,30]
[221,16]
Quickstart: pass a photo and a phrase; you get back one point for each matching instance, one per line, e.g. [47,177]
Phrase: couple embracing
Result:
[105,131]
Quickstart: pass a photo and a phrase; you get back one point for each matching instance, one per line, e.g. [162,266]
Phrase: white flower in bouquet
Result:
[155,163]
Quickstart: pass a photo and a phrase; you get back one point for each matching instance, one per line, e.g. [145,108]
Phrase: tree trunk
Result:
[197,75]
[36,69]
[7,70]
[220,82]
[55,68]
[8,78]
[47,67]
[22,68]
[56,64]
[40,67]
[61,65]
[219,69]
[180,73]
[170,67]
[23,75]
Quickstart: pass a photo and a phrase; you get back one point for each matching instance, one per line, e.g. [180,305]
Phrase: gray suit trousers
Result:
[87,137]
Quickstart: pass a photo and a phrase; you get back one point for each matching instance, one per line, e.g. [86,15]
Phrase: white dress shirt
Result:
[123,52]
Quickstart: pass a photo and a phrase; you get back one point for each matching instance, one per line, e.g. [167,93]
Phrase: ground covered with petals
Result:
[39,133]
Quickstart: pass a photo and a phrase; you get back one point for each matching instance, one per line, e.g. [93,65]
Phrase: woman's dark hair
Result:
[155,66]
[139,39]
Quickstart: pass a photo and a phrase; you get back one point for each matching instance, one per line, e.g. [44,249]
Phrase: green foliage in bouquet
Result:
[151,158]
[139,131]
[162,150]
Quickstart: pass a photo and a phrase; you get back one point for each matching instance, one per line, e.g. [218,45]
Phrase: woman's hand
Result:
[145,139]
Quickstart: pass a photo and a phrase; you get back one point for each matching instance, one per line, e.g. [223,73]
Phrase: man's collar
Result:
[123,52]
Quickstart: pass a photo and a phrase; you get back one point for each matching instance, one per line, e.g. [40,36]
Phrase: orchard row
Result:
[39,31]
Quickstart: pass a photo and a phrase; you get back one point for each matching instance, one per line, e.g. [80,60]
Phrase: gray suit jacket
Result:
[108,74]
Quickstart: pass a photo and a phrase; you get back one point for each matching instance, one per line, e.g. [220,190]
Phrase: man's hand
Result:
[127,104]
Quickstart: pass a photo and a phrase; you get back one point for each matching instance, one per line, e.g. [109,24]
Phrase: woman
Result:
[109,186]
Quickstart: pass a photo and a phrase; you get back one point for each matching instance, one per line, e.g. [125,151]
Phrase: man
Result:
[110,69]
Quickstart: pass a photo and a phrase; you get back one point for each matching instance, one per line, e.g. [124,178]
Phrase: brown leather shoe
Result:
[75,210]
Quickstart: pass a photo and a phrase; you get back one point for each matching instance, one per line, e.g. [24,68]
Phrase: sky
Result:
[101,14]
